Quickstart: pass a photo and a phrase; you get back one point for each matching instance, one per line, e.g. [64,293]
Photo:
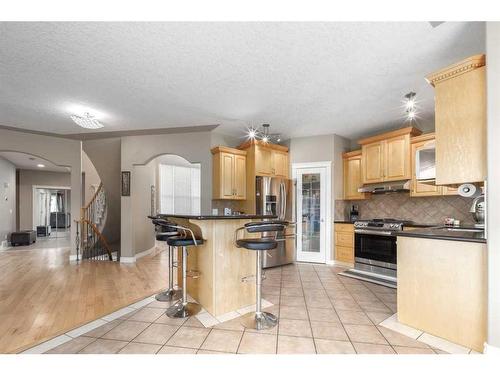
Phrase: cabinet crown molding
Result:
[229,150]
[351,154]
[252,142]
[423,137]
[461,67]
[395,133]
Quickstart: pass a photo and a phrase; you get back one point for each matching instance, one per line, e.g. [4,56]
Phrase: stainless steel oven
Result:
[375,251]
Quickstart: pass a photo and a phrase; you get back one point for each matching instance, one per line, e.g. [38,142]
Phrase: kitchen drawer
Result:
[344,239]
[339,227]
[344,254]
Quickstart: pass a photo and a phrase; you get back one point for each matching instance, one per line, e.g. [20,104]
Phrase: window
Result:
[180,189]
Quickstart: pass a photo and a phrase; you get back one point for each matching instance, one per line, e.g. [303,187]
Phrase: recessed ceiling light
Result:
[87,121]
[40,165]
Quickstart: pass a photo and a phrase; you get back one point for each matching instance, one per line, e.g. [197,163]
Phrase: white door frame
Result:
[328,201]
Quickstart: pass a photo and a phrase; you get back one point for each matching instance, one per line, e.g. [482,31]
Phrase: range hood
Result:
[386,187]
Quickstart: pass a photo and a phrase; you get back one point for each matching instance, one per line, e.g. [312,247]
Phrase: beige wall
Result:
[140,150]
[29,178]
[105,155]
[493,183]
[144,178]
[7,200]
[92,179]
[62,152]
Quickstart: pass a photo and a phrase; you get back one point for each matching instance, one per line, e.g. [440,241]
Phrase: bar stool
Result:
[165,230]
[183,308]
[260,320]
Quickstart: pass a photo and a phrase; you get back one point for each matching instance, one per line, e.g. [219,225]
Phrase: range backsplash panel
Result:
[422,210]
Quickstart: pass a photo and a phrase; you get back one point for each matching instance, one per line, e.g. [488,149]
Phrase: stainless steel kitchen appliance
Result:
[274,196]
[375,251]
[478,209]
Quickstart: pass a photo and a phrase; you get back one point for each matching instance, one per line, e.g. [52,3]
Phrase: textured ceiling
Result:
[23,161]
[302,78]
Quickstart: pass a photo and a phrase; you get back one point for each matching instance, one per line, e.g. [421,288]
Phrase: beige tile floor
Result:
[319,312]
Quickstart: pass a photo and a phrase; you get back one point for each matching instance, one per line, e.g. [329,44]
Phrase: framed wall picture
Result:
[125,183]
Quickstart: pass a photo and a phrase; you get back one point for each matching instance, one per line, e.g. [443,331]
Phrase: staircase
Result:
[91,244]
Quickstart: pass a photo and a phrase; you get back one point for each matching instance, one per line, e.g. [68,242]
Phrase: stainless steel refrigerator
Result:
[275,196]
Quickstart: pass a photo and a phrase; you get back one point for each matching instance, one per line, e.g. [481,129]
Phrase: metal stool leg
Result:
[259,320]
[183,308]
[170,294]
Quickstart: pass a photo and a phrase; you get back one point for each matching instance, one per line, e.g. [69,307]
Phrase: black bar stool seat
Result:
[164,230]
[184,241]
[257,243]
[260,319]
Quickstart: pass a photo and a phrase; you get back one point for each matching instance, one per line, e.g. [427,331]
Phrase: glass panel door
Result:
[311,205]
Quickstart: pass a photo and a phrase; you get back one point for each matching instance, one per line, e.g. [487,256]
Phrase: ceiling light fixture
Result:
[263,134]
[410,104]
[40,165]
[87,121]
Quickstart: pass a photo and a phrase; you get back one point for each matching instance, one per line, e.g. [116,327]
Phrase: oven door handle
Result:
[375,232]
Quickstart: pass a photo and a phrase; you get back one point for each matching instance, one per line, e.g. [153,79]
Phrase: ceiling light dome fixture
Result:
[262,134]
[87,121]
[410,106]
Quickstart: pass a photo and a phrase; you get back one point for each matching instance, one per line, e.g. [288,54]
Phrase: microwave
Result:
[425,162]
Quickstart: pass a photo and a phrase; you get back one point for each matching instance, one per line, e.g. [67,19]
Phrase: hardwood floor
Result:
[42,295]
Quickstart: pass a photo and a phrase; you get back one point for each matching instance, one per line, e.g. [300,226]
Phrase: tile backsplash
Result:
[422,210]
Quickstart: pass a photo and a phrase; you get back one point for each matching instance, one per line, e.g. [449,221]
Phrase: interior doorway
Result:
[51,211]
[313,205]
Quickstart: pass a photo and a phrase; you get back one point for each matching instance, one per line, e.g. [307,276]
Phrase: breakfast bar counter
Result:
[220,265]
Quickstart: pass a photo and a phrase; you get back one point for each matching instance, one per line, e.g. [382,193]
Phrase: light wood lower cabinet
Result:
[344,242]
[229,173]
[442,289]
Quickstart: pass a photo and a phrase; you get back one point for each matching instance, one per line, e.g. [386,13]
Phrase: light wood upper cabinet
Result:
[240,176]
[229,173]
[353,175]
[460,106]
[373,162]
[387,156]
[397,158]
[419,189]
[263,161]
[280,163]
[270,159]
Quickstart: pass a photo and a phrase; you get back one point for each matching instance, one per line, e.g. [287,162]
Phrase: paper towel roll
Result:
[469,191]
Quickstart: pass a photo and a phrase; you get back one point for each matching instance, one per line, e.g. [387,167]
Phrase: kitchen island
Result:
[219,263]
[442,284]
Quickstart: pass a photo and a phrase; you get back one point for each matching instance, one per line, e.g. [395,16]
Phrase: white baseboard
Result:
[72,257]
[127,259]
[491,350]
[137,256]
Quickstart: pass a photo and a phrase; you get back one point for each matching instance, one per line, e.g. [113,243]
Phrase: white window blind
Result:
[180,189]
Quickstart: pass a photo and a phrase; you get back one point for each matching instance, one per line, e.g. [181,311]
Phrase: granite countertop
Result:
[219,217]
[446,233]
